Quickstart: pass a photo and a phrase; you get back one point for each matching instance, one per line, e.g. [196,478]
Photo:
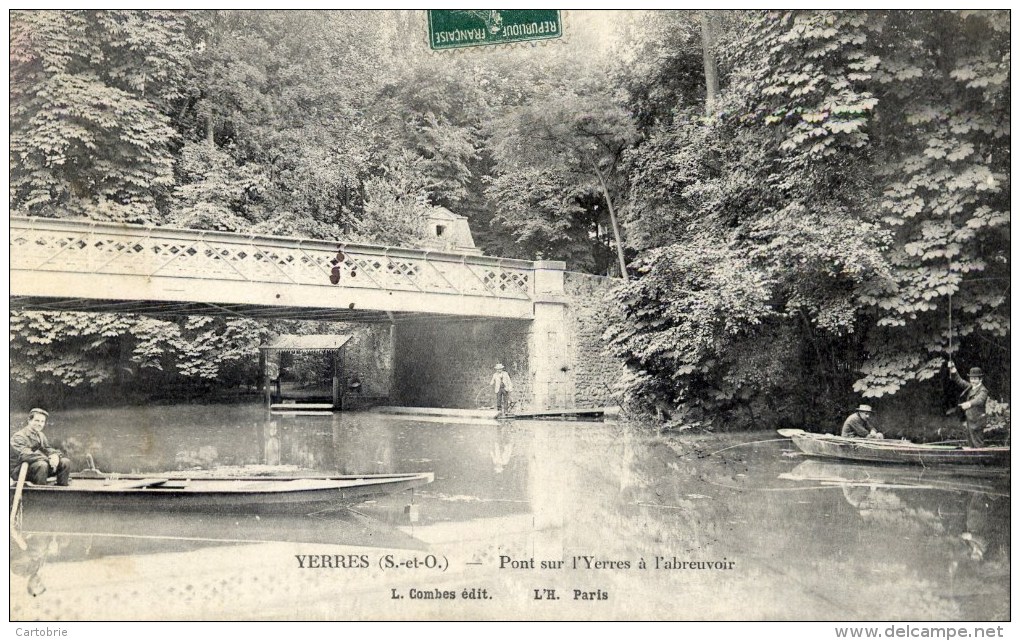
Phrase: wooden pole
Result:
[336,380]
[22,475]
[264,366]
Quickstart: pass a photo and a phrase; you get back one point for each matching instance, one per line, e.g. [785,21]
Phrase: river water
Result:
[525,520]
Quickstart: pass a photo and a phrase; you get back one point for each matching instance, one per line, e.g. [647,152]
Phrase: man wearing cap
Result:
[501,384]
[973,398]
[29,445]
[858,424]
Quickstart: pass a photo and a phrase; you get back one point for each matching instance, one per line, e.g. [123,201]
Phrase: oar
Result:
[22,474]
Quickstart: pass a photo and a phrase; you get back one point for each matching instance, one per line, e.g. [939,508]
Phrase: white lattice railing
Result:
[80,246]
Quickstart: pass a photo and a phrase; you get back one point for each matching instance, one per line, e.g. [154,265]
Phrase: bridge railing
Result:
[83,246]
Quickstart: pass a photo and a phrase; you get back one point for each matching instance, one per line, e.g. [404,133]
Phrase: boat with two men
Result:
[895,451]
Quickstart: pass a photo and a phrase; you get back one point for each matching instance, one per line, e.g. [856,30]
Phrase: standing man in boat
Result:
[502,386]
[859,425]
[29,445]
[974,397]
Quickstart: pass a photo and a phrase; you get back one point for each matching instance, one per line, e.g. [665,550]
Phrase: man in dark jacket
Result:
[858,424]
[973,399]
[29,445]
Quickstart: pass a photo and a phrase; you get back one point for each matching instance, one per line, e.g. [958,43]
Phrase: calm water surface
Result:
[771,534]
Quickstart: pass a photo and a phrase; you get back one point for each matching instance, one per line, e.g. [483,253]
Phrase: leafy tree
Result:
[663,66]
[90,96]
[79,349]
[554,153]
[64,348]
[214,191]
[846,143]
[278,103]
[396,206]
[943,166]
[427,118]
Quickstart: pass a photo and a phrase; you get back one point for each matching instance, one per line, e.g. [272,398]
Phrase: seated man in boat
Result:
[859,425]
[974,398]
[29,445]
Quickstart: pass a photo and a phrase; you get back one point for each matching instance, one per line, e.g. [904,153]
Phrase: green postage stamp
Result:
[457,28]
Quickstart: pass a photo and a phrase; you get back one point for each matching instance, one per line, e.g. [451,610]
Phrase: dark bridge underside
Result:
[164,308]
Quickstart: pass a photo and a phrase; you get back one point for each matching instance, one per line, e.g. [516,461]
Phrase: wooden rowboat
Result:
[893,451]
[218,494]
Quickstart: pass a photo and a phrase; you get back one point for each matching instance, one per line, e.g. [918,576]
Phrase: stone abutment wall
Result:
[368,360]
[593,370]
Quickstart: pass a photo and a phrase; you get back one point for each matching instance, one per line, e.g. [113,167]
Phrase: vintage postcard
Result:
[511,315]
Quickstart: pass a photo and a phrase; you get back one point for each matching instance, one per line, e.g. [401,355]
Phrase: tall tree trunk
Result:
[612,220]
[708,40]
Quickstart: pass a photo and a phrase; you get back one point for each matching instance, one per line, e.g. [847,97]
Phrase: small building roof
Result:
[314,342]
[448,231]
[439,212]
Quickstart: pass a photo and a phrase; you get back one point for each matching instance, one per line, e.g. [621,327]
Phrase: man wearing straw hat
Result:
[973,399]
[502,386]
[29,445]
[859,425]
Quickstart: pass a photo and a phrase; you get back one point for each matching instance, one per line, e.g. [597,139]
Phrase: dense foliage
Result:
[557,175]
[803,244]
[826,228]
[83,350]
[90,96]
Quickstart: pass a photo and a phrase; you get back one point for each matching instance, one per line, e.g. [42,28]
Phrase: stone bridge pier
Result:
[551,339]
